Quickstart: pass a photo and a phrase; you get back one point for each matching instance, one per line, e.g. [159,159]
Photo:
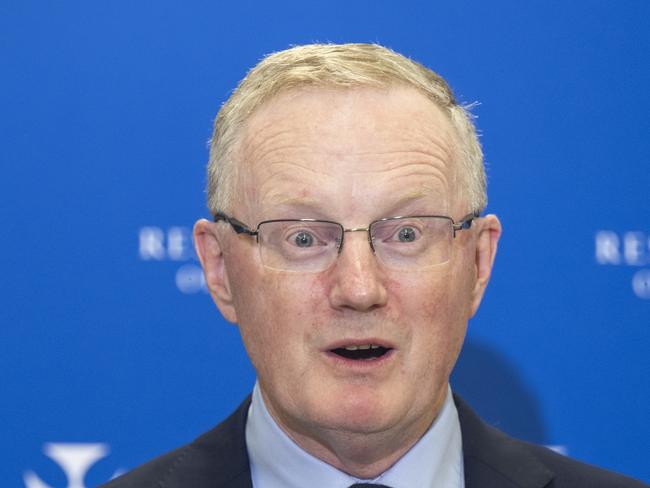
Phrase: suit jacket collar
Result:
[494,460]
[221,454]
[491,458]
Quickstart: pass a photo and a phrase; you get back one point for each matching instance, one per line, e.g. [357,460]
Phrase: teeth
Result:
[362,347]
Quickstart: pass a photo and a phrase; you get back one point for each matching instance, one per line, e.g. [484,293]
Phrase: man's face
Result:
[351,156]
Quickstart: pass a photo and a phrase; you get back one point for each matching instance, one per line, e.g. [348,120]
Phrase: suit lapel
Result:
[218,458]
[494,460]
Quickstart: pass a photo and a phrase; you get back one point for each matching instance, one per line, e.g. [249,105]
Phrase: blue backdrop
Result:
[111,352]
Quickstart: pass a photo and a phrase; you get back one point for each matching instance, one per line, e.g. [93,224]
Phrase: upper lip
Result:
[343,343]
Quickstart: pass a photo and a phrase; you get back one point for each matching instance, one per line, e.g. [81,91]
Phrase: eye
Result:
[398,231]
[303,239]
[406,234]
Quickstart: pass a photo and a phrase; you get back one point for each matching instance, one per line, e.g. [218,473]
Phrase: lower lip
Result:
[360,364]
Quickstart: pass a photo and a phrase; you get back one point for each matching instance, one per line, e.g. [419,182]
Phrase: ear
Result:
[209,248]
[489,232]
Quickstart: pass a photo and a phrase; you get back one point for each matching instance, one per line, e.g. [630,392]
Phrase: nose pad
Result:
[341,241]
[371,243]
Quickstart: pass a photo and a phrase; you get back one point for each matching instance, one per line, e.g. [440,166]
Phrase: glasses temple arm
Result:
[465,222]
[238,226]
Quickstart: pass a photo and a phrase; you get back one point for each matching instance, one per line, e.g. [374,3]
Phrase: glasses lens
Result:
[412,242]
[294,245]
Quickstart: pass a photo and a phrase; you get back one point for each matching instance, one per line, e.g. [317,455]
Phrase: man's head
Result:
[353,356]
[336,66]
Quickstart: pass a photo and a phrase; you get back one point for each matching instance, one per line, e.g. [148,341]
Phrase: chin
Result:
[357,424]
[362,414]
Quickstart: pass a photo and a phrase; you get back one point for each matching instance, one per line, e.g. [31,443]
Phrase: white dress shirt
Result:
[435,461]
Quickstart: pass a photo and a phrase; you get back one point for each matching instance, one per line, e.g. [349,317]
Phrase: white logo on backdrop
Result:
[74,459]
[627,249]
[173,244]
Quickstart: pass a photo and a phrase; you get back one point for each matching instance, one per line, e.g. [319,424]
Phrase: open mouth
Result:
[367,352]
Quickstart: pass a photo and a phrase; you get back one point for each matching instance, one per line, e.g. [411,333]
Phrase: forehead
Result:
[314,144]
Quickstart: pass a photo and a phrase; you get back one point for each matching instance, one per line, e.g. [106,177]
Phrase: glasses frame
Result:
[241,228]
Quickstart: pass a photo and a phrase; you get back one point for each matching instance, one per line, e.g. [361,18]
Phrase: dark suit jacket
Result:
[218,459]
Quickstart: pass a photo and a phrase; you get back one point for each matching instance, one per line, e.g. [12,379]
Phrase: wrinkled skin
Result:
[351,156]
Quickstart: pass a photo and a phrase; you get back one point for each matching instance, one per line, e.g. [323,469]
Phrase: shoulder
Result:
[216,458]
[494,459]
[572,473]
[153,473]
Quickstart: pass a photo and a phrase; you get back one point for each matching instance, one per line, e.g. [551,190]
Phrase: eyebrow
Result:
[414,196]
[436,203]
[295,201]
[315,205]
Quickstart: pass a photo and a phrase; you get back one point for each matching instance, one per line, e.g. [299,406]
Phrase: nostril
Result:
[361,293]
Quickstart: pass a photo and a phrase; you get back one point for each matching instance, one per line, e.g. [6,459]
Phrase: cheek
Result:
[436,309]
[275,311]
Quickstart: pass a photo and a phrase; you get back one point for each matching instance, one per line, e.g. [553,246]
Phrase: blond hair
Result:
[344,66]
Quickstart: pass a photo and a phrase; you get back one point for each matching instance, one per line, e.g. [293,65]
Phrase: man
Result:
[348,244]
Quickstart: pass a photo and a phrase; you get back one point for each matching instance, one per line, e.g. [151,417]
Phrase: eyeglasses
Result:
[310,245]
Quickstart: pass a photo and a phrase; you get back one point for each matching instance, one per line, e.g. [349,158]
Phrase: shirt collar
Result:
[278,462]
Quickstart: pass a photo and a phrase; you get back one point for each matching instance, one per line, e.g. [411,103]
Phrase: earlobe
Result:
[486,249]
[209,249]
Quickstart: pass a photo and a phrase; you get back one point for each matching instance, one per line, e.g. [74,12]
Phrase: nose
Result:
[358,282]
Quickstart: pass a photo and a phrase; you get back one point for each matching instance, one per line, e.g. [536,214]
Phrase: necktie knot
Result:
[368,485]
